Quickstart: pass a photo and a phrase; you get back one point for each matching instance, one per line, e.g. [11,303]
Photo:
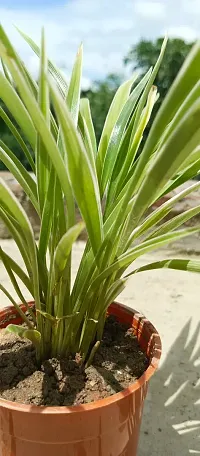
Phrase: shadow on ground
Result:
[171,422]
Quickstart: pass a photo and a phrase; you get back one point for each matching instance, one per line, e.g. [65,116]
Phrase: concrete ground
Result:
[171,300]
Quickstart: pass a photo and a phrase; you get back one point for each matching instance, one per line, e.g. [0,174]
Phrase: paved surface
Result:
[171,300]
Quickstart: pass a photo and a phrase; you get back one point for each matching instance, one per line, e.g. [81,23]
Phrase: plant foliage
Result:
[111,187]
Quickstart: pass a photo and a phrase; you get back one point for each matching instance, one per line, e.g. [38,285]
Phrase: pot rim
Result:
[145,377]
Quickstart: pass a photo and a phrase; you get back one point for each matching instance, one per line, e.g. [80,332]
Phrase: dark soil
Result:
[118,363]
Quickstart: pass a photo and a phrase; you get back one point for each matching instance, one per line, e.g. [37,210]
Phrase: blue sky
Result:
[32,3]
[107,28]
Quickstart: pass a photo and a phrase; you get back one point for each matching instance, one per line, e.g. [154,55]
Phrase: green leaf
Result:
[32,334]
[167,161]
[42,158]
[6,263]
[127,158]
[18,137]
[193,157]
[18,308]
[127,258]
[19,272]
[9,96]
[183,84]
[19,172]
[191,171]
[8,200]
[12,53]
[179,264]
[86,140]
[186,104]
[48,316]
[48,214]
[74,90]
[55,72]
[175,222]
[39,122]
[112,293]
[62,273]
[64,247]
[17,234]
[86,114]
[6,73]
[161,212]
[118,130]
[82,177]
[148,87]
[116,107]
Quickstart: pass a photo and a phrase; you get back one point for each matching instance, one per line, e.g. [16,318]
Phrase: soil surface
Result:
[118,363]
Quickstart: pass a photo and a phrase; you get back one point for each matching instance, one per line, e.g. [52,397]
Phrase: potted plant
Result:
[66,330]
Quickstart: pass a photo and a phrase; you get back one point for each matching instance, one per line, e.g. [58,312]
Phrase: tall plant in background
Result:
[68,168]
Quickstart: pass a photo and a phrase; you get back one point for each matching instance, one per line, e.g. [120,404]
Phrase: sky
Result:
[107,29]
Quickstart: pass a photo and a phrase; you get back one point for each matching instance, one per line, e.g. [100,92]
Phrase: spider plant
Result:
[69,168]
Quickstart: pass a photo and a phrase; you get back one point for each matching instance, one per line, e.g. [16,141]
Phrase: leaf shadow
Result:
[171,421]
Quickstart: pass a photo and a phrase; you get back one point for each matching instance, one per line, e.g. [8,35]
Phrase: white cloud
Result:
[150,9]
[191,6]
[187,33]
[107,28]
[106,33]
[86,83]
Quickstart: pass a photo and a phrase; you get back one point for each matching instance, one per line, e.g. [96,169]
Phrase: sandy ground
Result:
[170,299]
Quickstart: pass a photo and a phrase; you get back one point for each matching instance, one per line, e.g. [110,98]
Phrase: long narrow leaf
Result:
[74,90]
[14,283]
[192,96]
[118,131]
[7,199]
[18,309]
[116,107]
[164,167]
[47,215]
[9,96]
[64,247]
[183,84]
[18,137]
[19,272]
[180,265]
[162,211]
[56,73]
[115,289]
[42,158]
[86,114]
[190,172]
[12,52]
[82,177]
[128,158]
[39,122]
[86,140]
[177,221]
[6,73]
[193,157]
[17,235]
[127,258]
[20,173]
[148,87]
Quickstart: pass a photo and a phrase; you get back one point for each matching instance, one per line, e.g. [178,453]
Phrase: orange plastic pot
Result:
[109,427]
